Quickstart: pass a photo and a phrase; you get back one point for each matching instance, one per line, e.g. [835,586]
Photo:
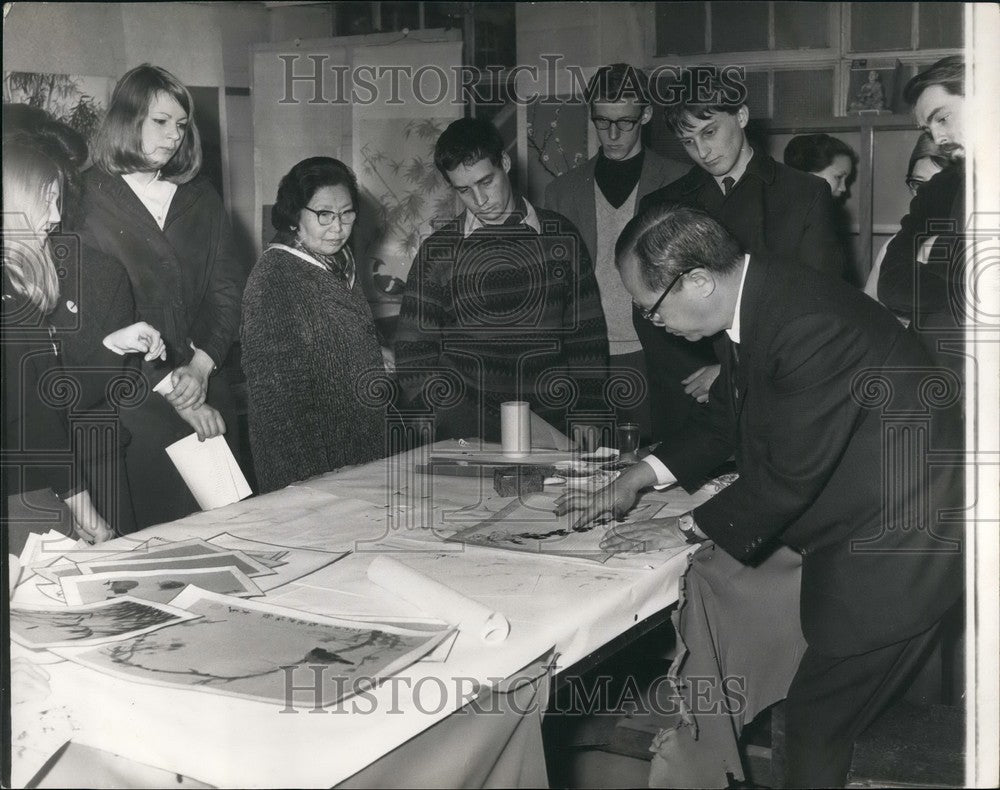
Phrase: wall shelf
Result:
[850,123]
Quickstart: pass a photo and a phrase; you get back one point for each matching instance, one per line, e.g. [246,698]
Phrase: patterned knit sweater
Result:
[504,314]
[307,339]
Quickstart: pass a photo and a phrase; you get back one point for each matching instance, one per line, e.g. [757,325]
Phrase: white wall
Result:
[586,34]
[241,26]
[185,39]
[300,21]
[65,38]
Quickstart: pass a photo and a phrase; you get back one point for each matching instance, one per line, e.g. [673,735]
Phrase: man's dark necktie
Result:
[734,371]
[727,185]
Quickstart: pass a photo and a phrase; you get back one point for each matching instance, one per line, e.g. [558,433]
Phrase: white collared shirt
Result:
[742,162]
[734,330]
[156,196]
[664,477]
[472,222]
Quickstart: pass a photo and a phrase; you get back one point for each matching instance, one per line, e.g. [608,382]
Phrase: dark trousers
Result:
[831,701]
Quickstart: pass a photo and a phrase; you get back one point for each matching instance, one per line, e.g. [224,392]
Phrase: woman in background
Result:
[145,204]
[834,161]
[926,161]
[38,465]
[831,159]
[307,334]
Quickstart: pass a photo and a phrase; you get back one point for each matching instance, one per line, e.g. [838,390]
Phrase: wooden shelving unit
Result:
[867,126]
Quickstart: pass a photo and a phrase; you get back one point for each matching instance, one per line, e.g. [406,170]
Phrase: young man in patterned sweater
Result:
[501,304]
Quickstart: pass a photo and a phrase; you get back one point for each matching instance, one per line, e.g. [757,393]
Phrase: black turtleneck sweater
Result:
[616,180]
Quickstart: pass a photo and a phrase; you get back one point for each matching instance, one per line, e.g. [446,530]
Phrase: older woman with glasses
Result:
[308,335]
[926,161]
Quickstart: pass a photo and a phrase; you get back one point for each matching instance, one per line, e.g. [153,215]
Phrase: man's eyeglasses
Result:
[914,184]
[325,218]
[623,124]
[650,314]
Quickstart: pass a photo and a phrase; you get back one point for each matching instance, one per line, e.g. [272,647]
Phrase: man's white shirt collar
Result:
[737,172]
[472,222]
[734,330]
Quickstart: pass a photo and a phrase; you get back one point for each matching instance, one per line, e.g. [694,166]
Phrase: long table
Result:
[556,606]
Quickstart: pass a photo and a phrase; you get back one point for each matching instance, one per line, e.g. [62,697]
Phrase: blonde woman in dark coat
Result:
[145,204]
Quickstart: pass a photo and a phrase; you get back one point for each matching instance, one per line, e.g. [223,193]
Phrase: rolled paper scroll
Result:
[515,428]
[438,600]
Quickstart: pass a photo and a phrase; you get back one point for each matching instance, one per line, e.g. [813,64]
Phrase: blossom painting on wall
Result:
[557,142]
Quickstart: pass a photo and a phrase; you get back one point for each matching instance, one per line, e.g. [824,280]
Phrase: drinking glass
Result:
[628,442]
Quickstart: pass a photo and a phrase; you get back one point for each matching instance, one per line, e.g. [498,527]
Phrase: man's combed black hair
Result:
[948,72]
[465,142]
[671,239]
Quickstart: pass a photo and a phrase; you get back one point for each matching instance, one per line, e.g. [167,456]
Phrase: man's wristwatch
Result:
[686,525]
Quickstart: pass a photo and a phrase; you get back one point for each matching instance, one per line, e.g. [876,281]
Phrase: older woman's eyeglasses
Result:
[325,218]
[623,124]
[650,314]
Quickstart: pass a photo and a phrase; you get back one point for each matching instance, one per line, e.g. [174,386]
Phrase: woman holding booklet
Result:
[41,464]
[308,336]
[145,204]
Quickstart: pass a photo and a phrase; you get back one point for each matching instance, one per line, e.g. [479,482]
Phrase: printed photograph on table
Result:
[64,566]
[53,592]
[46,627]
[165,549]
[158,585]
[529,524]
[42,551]
[287,563]
[268,555]
[222,559]
[239,648]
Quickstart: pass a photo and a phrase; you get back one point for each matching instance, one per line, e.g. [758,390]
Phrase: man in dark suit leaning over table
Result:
[600,196]
[771,209]
[818,384]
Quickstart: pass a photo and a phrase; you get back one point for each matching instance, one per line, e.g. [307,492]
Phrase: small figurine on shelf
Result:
[871,95]
[871,88]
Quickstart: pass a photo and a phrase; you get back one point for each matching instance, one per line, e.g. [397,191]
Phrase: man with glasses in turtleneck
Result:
[600,196]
